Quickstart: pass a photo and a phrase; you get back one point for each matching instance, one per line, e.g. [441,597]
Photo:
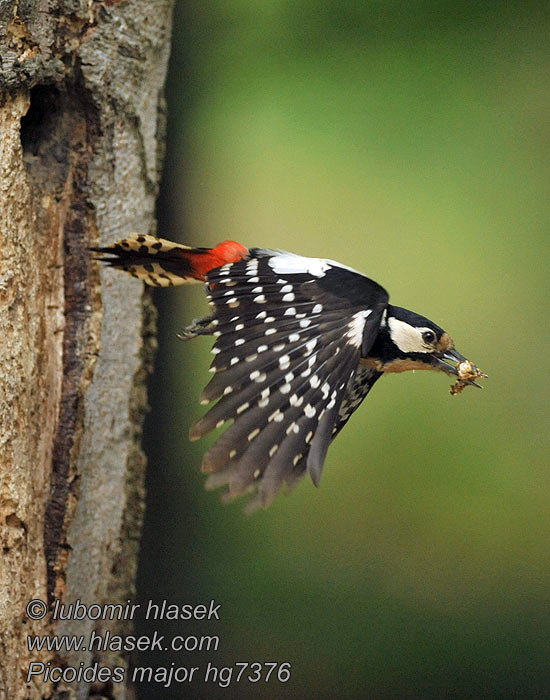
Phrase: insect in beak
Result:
[465,370]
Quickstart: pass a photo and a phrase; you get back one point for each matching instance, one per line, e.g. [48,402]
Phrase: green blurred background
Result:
[409,140]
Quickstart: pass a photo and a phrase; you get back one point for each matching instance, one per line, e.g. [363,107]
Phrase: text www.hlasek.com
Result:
[240,671]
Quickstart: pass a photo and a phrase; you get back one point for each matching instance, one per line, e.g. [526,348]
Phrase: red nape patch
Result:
[223,253]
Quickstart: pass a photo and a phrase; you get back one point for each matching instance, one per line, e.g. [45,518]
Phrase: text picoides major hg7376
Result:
[299,344]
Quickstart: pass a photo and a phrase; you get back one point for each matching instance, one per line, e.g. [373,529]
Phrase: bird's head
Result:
[410,341]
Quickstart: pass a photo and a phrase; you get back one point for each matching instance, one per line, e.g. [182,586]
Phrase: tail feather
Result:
[162,263]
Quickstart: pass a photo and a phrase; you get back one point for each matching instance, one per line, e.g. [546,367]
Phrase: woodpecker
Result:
[299,343]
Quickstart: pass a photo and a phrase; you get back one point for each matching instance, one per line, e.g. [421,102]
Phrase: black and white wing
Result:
[290,332]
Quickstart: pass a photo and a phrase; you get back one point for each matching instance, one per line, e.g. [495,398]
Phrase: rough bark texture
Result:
[81,122]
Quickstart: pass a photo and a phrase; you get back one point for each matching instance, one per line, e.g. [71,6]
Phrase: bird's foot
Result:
[198,326]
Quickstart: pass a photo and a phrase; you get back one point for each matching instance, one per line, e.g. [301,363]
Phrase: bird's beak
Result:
[443,361]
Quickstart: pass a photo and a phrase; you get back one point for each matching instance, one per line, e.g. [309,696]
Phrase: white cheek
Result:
[406,337]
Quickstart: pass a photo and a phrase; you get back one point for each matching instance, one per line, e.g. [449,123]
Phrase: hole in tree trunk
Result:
[47,136]
[39,124]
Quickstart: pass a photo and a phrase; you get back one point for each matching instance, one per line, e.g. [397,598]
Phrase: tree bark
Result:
[81,133]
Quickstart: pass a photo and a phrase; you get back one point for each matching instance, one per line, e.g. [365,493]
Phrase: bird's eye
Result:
[428,336]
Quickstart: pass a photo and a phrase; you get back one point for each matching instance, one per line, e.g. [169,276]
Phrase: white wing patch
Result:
[356,327]
[291,264]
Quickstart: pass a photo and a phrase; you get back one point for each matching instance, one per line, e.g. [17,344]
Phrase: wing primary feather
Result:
[238,374]
[237,434]
[287,439]
[281,326]
[323,435]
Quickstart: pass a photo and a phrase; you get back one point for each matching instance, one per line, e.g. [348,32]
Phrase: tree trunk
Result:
[81,130]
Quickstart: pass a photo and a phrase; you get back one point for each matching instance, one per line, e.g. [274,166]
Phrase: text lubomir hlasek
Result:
[162,610]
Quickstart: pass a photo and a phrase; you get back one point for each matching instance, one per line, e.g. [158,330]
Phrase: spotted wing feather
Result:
[289,340]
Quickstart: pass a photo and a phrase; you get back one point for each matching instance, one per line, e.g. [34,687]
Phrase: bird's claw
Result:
[198,326]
